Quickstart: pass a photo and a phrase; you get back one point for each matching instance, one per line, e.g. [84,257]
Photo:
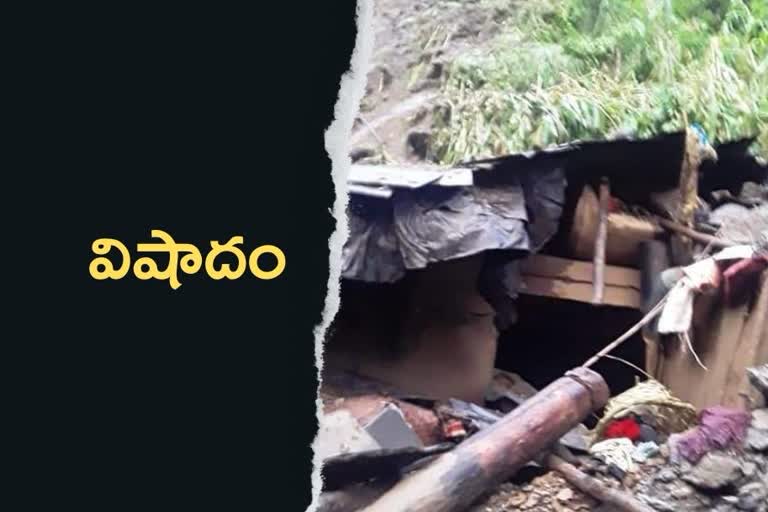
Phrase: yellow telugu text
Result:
[184,257]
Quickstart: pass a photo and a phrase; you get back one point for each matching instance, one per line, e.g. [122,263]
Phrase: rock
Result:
[517,499]
[749,469]
[418,144]
[564,494]
[760,419]
[752,496]
[658,504]
[616,472]
[648,434]
[681,492]
[757,440]
[666,475]
[714,472]
[532,501]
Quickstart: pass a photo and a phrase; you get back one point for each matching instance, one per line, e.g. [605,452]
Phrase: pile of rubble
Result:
[640,457]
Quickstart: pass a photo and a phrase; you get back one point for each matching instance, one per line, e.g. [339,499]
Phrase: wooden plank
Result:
[751,351]
[733,339]
[715,344]
[555,288]
[542,265]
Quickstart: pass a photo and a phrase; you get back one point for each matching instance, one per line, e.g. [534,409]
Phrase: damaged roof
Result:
[406,217]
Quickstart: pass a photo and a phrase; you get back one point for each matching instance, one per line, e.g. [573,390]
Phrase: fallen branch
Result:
[595,488]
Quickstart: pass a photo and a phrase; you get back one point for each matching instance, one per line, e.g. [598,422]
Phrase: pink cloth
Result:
[719,427]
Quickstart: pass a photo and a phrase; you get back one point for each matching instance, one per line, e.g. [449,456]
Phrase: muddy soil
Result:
[415,42]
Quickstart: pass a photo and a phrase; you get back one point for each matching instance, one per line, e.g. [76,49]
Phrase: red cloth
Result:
[738,277]
[625,427]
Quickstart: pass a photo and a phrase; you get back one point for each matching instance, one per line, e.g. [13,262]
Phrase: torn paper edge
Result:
[338,145]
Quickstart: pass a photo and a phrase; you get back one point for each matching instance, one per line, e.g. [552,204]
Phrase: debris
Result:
[644,451]
[453,429]
[565,494]
[757,440]
[340,433]
[758,377]
[760,419]
[595,488]
[351,498]
[659,505]
[666,475]
[714,472]
[616,452]
[391,431]
[651,397]
[353,468]
[498,451]
[648,434]
[509,385]
[753,496]
[719,427]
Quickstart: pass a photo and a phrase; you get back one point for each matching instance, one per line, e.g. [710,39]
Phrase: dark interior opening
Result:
[553,336]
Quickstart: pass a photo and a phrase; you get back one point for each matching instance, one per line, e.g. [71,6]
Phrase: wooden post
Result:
[598,280]
[654,259]
[456,479]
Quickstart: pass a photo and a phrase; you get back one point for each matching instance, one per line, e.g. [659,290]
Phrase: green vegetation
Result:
[564,70]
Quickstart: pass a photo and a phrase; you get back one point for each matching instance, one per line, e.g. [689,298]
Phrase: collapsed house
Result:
[465,290]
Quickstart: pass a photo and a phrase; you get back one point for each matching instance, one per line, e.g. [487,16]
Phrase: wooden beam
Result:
[598,281]
[561,278]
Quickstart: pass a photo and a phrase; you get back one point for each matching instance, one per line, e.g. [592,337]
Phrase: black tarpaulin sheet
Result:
[418,227]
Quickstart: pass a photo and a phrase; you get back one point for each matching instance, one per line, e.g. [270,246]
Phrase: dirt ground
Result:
[415,40]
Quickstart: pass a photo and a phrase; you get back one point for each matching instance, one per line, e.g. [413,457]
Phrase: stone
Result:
[714,472]
[681,492]
[532,501]
[749,469]
[390,430]
[757,440]
[658,504]
[340,433]
[760,419]
[666,475]
[752,496]
[648,434]
[564,494]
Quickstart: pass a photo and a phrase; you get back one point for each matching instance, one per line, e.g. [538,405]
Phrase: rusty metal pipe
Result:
[456,479]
